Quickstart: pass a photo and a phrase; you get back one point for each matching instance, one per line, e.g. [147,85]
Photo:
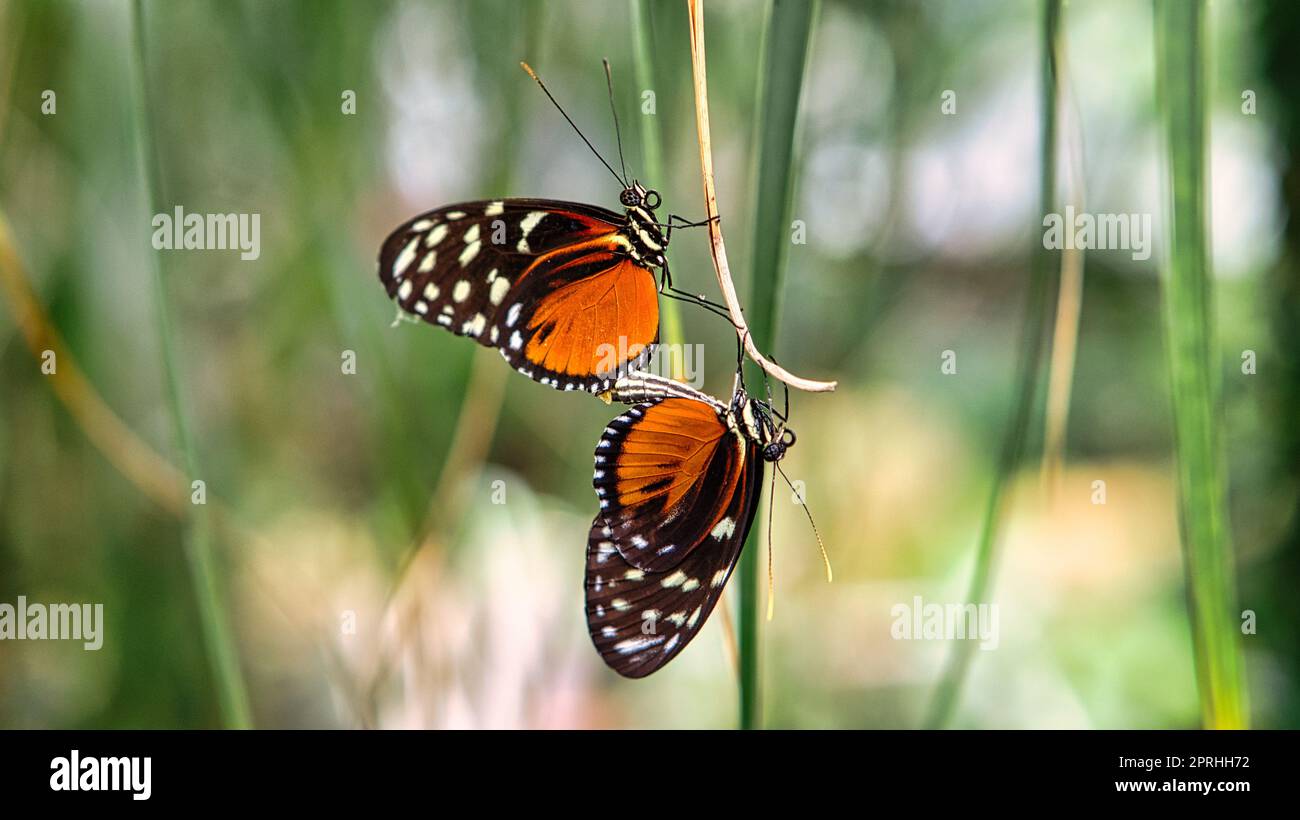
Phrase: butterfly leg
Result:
[403,316]
[667,289]
[683,222]
[738,386]
[677,221]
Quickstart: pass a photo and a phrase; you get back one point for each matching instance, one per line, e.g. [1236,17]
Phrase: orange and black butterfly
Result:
[678,476]
[565,291]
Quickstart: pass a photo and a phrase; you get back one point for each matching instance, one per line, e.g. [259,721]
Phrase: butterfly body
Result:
[565,291]
[646,243]
[678,478]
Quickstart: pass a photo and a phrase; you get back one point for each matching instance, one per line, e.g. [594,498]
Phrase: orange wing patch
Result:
[667,452]
[665,472]
[594,324]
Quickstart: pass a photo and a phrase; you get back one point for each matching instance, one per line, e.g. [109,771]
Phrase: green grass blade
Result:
[787,44]
[1193,368]
[1038,307]
[198,530]
[670,315]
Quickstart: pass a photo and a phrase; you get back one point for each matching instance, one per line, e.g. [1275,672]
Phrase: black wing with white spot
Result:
[641,619]
[549,284]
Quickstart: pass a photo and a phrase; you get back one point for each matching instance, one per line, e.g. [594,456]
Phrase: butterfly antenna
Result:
[618,135]
[830,576]
[771,574]
[554,102]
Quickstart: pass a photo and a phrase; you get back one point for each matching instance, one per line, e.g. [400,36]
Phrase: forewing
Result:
[664,473]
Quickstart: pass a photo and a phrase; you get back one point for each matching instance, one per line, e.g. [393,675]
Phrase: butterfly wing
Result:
[581,316]
[640,619]
[549,284]
[663,475]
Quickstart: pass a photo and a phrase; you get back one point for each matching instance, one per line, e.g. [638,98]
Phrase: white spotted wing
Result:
[684,481]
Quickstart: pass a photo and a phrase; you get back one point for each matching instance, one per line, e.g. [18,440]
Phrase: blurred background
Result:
[370,577]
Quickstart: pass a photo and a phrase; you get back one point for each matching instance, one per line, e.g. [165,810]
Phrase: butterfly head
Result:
[637,195]
[764,426]
[775,449]
[780,439]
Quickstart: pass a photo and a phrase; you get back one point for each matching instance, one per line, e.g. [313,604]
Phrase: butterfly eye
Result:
[774,451]
[629,198]
[652,200]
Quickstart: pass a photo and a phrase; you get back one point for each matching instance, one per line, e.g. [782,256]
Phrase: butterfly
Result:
[678,477]
[565,291]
